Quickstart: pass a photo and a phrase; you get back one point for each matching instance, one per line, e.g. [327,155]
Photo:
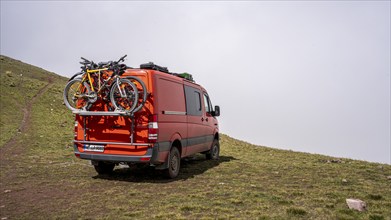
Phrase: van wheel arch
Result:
[217,136]
[177,143]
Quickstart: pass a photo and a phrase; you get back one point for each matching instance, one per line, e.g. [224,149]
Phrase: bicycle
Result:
[101,81]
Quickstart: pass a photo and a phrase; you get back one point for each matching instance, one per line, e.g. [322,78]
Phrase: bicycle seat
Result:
[101,64]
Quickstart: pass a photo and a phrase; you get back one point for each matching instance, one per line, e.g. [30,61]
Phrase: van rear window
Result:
[193,101]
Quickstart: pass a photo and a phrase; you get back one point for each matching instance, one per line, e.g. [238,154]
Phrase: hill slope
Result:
[41,178]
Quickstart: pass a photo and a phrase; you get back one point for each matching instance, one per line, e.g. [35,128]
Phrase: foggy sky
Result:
[307,76]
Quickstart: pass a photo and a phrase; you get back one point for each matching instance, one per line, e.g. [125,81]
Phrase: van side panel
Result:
[171,110]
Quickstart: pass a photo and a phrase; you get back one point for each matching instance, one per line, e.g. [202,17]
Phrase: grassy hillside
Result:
[19,83]
[42,179]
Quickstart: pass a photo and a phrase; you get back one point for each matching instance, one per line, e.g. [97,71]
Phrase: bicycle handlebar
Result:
[113,65]
[122,58]
[85,59]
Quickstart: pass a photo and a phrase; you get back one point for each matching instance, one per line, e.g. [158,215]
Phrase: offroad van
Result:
[175,119]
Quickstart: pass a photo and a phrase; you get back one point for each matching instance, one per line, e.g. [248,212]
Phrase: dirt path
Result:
[10,149]
[25,188]
[12,156]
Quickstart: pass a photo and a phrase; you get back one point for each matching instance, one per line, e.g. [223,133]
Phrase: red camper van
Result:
[176,120]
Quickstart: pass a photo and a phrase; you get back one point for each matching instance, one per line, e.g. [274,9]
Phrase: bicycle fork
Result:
[122,93]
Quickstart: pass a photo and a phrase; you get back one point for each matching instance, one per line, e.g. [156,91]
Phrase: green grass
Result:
[46,181]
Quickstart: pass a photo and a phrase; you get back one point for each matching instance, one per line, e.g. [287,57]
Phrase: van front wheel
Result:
[214,152]
[174,163]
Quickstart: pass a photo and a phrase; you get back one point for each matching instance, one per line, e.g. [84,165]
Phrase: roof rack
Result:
[153,66]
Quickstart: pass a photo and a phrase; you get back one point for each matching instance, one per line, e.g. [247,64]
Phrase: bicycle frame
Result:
[90,80]
[87,76]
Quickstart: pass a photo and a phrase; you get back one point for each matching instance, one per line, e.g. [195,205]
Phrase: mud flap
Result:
[164,165]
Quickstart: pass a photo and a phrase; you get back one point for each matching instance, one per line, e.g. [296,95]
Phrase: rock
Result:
[344,180]
[7,191]
[389,177]
[122,166]
[356,204]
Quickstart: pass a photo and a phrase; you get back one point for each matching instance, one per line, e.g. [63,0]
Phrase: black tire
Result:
[142,92]
[104,168]
[214,152]
[76,94]
[127,103]
[174,163]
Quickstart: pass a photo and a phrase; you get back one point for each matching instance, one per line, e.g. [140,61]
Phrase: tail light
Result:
[153,129]
[76,124]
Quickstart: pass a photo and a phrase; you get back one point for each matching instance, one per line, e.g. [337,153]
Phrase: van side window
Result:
[193,101]
[208,108]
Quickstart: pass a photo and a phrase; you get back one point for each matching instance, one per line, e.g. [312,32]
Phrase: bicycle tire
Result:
[78,98]
[127,103]
[143,98]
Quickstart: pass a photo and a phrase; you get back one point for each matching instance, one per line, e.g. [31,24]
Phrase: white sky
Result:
[310,76]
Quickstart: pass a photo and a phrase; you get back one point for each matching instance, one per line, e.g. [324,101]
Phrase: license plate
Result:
[95,148]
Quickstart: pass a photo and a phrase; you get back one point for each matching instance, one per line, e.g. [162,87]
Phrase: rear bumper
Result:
[154,155]
[116,158]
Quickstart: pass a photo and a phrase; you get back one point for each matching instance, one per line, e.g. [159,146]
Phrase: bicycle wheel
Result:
[142,91]
[124,95]
[76,94]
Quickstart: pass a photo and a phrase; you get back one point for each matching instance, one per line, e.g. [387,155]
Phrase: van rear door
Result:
[112,134]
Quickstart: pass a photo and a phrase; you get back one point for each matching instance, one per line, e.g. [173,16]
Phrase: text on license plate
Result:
[92,147]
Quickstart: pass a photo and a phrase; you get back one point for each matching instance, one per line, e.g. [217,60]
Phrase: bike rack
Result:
[108,113]
[102,113]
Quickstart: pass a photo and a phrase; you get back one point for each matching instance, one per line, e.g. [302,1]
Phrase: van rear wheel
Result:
[104,168]
[214,152]
[174,163]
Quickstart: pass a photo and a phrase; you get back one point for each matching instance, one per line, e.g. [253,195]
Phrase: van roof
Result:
[170,75]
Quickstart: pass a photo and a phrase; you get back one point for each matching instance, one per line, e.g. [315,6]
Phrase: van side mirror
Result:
[216,112]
